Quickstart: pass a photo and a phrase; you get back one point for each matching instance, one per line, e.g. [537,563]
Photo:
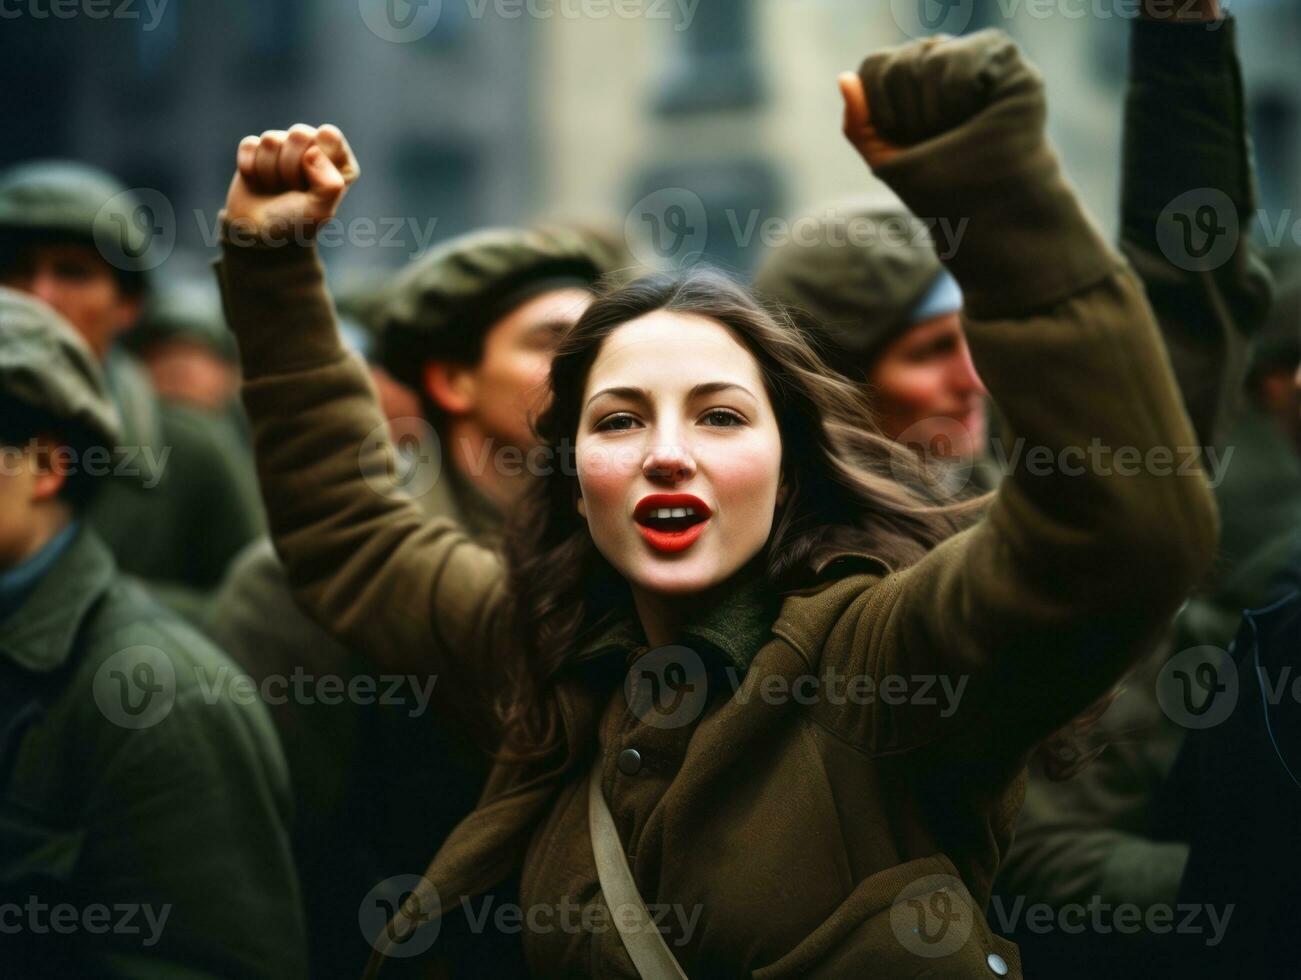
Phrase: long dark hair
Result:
[848,487]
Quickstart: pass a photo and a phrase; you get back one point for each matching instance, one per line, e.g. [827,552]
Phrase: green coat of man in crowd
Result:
[144,800]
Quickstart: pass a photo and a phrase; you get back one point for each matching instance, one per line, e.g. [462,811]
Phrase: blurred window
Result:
[1275,126]
[437,181]
[714,66]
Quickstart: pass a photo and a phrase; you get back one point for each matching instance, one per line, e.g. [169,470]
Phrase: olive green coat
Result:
[811,837]
[184,818]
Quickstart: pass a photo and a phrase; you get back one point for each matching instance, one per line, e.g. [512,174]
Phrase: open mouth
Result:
[671,521]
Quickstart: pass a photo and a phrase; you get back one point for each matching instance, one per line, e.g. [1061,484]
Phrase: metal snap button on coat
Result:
[997,964]
[630,762]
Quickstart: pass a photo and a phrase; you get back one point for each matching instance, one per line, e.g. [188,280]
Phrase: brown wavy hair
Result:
[849,487]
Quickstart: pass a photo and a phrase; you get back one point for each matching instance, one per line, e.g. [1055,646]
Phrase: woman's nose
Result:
[669,465]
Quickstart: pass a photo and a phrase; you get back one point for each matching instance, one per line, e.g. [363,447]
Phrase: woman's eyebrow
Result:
[633,394]
[697,391]
[714,387]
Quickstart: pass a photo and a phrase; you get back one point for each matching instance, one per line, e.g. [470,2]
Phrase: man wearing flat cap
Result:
[869,288]
[469,330]
[131,777]
[186,498]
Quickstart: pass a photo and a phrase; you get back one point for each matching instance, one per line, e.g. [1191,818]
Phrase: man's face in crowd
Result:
[76,281]
[508,386]
[185,371]
[27,486]
[923,382]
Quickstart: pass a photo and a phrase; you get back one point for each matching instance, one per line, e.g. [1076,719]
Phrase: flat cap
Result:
[853,275]
[443,303]
[184,310]
[46,366]
[65,198]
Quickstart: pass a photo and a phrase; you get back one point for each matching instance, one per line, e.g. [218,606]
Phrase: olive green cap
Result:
[46,366]
[184,311]
[61,198]
[443,303]
[852,275]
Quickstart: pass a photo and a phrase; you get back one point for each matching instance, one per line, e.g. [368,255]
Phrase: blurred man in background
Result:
[135,785]
[873,293]
[187,500]
[182,341]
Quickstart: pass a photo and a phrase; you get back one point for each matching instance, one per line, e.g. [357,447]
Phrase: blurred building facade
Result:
[506,110]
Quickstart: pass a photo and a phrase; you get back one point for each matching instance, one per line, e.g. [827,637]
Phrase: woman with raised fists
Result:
[756,708]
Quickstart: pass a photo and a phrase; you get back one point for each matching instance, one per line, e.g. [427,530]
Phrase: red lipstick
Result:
[671,521]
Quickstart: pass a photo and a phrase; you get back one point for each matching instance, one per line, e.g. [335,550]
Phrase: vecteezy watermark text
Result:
[1102,918]
[144,464]
[300,687]
[151,11]
[97,919]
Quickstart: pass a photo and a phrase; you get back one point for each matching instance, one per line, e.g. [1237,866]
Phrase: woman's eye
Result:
[616,423]
[722,417]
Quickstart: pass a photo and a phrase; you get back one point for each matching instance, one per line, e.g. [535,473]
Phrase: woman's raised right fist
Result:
[289,181]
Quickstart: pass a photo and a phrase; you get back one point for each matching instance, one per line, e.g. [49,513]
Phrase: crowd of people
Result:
[904,612]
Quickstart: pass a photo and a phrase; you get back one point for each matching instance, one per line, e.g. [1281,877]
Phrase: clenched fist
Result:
[286,181]
[956,128]
[925,89]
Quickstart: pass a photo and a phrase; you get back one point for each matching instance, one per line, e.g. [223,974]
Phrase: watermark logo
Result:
[667,687]
[136,230]
[1198,230]
[135,687]
[419,457]
[922,18]
[1198,688]
[668,226]
[401,916]
[932,916]
[401,21]
[944,448]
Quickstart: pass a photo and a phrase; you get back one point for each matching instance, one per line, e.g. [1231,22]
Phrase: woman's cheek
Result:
[745,481]
[604,475]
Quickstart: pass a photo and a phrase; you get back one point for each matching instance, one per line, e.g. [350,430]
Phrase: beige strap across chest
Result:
[642,939]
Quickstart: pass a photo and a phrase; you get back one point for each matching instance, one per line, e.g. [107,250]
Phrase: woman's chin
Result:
[675,575]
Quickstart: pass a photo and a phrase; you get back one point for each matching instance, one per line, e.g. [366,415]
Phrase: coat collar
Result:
[39,635]
[734,629]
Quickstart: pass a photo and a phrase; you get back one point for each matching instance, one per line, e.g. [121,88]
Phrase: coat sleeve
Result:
[1104,519]
[1187,157]
[409,593]
[1185,138]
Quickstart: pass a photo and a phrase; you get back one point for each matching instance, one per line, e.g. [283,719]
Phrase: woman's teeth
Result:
[664,513]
